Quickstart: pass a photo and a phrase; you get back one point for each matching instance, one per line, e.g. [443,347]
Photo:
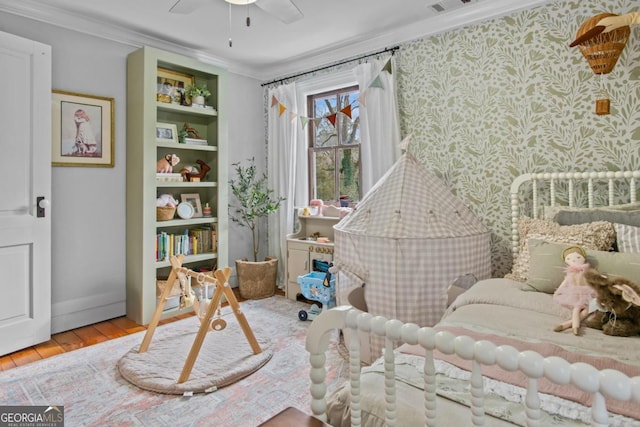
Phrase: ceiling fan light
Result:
[240,2]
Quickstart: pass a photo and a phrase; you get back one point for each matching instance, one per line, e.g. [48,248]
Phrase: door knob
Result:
[43,204]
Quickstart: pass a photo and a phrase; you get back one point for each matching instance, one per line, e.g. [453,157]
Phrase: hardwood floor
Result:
[82,337]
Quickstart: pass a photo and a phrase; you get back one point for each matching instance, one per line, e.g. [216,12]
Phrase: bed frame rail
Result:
[610,182]
[610,383]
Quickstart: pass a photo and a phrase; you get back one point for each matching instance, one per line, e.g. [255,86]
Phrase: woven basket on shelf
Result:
[165,213]
[602,51]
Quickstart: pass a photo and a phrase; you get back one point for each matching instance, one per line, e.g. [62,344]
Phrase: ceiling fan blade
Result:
[285,10]
[186,6]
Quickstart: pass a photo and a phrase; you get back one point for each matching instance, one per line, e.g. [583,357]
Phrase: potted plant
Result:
[253,203]
[197,93]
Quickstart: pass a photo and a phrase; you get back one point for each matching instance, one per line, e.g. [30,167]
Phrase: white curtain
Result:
[286,165]
[379,119]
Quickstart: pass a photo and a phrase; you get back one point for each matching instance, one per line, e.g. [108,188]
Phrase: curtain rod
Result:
[389,49]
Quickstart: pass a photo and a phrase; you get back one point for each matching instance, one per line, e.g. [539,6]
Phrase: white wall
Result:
[88,204]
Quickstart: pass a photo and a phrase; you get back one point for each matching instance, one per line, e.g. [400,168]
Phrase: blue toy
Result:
[317,286]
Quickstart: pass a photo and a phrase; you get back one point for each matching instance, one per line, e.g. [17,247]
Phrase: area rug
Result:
[224,358]
[89,386]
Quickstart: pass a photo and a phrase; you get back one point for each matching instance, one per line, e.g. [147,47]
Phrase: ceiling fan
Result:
[285,10]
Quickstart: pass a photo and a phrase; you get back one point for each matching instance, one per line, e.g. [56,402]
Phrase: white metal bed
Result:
[601,384]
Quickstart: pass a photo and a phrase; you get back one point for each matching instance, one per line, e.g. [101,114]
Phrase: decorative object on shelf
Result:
[601,52]
[182,136]
[166,164]
[194,200]
[82,130]
[171,86]
[186,210]
[165,213]
[206,211]
[254,203]
[197,93]
[192,174]
[166,200]
[191,132]
[165,207]
[166,132]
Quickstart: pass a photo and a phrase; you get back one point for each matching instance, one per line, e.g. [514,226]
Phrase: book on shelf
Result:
[169,177]
[195,141]
[193,241]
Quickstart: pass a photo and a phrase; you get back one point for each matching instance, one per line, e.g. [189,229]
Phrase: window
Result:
[334,145]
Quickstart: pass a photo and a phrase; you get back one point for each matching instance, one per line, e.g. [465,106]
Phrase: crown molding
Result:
[123,35]
[457,18]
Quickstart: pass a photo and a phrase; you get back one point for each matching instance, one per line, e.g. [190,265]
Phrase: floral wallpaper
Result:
[491,101]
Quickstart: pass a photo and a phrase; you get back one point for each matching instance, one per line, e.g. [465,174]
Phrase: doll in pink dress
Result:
[574,293]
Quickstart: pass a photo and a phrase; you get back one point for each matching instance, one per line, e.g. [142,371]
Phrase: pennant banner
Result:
[375,83]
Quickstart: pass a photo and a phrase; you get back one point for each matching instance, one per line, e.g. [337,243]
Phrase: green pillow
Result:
[547,268]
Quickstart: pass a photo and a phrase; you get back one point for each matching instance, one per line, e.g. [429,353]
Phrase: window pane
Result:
[350,172]
[352,124]
[325,132]
[324,164]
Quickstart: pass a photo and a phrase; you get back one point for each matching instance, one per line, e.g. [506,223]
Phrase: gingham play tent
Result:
[407,240]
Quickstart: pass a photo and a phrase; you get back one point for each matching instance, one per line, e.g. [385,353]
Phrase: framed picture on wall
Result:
[194,200]
[166,132]
[83,130]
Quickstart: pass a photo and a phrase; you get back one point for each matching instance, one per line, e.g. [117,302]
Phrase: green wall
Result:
[488,102]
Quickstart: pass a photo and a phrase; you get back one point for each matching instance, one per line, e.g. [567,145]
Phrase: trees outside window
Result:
[334,148]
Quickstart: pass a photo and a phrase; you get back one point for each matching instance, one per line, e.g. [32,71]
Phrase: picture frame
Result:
[194,200]
[82,130]
[171,85]
[166,132]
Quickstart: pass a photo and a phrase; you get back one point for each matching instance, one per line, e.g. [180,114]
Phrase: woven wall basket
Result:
[602,51]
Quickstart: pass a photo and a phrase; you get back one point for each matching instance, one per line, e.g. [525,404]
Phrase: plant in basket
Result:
[253,203]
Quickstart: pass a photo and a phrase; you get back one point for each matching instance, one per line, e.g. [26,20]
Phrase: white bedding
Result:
[506,310]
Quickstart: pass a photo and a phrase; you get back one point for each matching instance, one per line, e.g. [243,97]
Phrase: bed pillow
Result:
[547,268]
[623,214]
[627,238]
[599,235]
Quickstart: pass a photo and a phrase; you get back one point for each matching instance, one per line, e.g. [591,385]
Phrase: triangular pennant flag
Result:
[377,83]
[346,111]
[317,121]
[332,118]
[362,99]
[282,108]
[274,101]
[293,115]
[387,66]
[304,121]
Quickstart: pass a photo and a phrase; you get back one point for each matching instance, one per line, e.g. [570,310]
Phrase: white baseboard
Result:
[80,312]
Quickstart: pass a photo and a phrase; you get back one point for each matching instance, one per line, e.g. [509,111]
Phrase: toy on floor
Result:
[317,286]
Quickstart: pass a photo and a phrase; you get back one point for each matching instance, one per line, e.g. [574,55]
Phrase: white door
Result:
[25,176]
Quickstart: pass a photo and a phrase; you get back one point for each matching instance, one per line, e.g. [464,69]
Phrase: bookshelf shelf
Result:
[144,232]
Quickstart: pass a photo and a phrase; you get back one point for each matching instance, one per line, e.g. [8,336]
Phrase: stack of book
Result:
[195,141]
